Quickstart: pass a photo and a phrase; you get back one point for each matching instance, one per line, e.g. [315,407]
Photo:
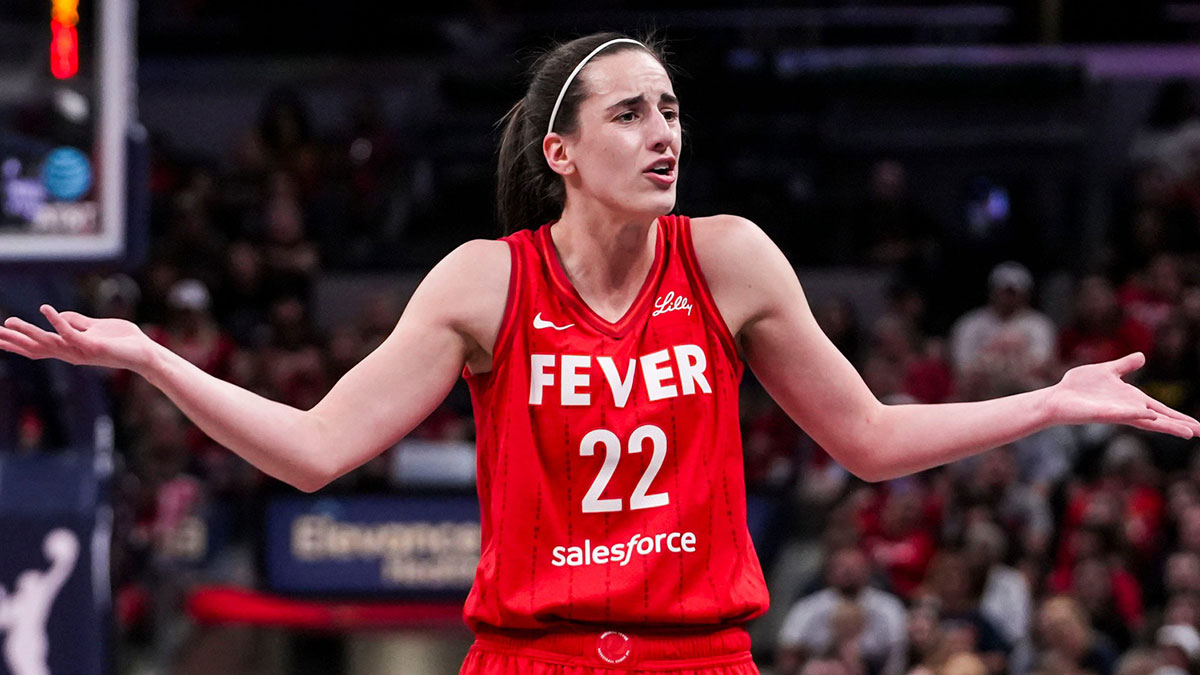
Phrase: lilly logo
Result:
[671,303]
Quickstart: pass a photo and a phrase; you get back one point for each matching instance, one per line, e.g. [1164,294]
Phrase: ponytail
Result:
[528,193]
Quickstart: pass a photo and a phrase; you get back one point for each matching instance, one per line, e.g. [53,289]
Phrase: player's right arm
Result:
[451,320]
[760,298]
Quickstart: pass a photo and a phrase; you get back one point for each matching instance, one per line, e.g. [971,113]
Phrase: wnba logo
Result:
[25,611]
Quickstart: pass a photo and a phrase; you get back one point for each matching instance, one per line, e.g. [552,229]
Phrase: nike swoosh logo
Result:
[539,323]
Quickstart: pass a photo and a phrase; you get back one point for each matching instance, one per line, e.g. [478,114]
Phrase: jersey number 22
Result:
[592,503]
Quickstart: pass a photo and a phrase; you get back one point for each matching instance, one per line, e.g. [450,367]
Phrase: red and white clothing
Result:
[609,455]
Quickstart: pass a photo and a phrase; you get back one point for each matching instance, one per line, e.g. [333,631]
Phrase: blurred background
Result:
[976,196]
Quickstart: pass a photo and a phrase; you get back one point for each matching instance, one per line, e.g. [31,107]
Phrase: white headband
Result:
[571,77]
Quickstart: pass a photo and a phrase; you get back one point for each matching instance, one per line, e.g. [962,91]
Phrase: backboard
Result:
[68,137]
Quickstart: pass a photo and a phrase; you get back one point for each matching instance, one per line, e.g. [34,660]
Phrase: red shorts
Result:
[721,652]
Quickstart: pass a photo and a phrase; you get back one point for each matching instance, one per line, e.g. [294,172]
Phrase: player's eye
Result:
[627,116]
[670,114]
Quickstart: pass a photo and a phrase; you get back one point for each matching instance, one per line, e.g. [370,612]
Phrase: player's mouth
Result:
[661,172]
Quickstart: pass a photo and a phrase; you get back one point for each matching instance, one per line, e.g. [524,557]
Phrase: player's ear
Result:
[554,148]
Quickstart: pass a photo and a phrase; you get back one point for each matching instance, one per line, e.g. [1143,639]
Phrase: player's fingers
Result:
[1159,406]
[1127,364]
[60,324]
[1164,409]
[6,346]
[11,340]
[39,336]
[1165,425]
[1167,411]
[77,320]
[1126,414]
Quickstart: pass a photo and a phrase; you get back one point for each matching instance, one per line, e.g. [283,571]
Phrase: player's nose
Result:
[660,133]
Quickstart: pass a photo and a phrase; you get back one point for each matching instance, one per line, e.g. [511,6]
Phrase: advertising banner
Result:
[394,546]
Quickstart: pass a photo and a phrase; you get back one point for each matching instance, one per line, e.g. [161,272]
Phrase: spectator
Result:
[1151,294]
[891,227]
[283,140]
[1182,608]
[769,446]
[1099,330]
[1165,155]
[951,585]
[891,356]
[810,629]
[846,625]
[361,212]
[292,361]
[924,638]
[1127,464]
[1006,600]
[1110,596]
[839,322]
[1189,529]
[290,259]
[1172,370]
[343,350]
[991,487]
[191,244]
[963,663]
[379,314]
[1067,642]
[117,296]
[1178,578]
[1106,591]
[241,299]
[1091,526]
[1180,646]
[929,378]
[897,533]
[192,332]
[1140,662]
[1005,347]
[1183,573]
[1156,222]
[157,278]
[826,667]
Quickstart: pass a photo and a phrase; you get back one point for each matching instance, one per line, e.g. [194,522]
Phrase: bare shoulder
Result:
[741,265]
[468,291]
[732,249]
[715,233]
[478,261]
[474,268]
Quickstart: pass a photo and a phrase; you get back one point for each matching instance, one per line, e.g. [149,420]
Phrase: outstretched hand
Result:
[1096,393]
[78,339]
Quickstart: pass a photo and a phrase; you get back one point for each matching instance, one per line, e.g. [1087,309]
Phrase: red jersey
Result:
[609,454]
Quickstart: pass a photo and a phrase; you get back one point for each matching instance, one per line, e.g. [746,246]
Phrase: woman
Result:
[603,351]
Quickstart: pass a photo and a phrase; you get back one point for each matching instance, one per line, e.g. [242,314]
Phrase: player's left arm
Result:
[760,297]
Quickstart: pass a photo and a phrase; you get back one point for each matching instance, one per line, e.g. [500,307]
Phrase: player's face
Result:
[625,147]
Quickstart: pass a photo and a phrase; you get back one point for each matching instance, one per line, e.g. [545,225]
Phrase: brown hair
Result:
[528,192]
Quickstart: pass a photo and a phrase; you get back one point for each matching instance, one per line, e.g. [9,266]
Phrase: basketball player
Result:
[603,351]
